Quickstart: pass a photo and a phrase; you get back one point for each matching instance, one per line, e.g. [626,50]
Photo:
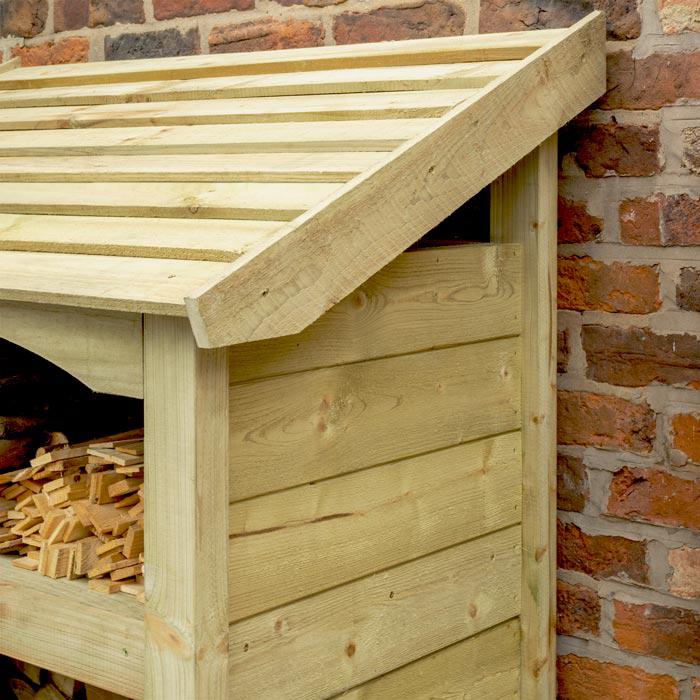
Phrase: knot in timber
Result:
[168,638]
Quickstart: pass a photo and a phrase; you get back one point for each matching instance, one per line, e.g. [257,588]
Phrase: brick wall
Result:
[62,31]
[629,294]
[629,357]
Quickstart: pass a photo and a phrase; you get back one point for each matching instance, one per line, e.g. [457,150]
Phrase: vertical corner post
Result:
[524,210]
[186,514]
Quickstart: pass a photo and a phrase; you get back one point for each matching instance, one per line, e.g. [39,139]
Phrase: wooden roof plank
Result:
[455,76]
[236,200]
[148,237]
[281,287]
[396,105]
[371,135]
[102,282]
[490,47]
[244,167]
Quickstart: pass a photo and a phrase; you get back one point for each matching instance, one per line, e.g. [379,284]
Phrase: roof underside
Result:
[253,191]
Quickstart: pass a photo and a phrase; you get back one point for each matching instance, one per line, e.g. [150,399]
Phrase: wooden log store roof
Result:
[251,192]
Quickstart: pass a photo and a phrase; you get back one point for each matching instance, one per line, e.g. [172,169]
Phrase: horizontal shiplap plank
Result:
[103,282]
[301,427]
[454,76]
[233,200]
[422,300]
[233,167]
[214,240]
[327,643]
[63,626]
[396,105]
[372,135]
[483,667]
[490,47]
[294,543]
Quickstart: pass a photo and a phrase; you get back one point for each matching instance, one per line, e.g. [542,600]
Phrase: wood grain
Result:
[302,427]
[327,643]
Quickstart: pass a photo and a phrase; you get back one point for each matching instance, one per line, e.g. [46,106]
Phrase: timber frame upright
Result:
[349,444]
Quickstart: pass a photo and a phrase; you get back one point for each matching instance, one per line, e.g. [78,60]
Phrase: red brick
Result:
[579,678]
[651,82]
[613,149]
[265,34]
[638,356]
[587,284]
[686,435]
[578,610]
[167,9]
[15,453]
[575,224]
[679,16]
[70,14]
[415,20]
[597,420]
[572,483]
[104,13]
[640,221]
[25,18]
[688,289]
[563,351]
[655,496]
[691,148]
[74,49]
[685,572]
[655,630]
[18,426]
[168,42]
[601,556]
[681,217]
[623,21]
[695,689]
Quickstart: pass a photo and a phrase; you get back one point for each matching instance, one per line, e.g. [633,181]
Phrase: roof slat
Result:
[102,282]
[489,47]
[244,167]
[148,237]
[360,135]
[456,76]
[263,201]
[393,105]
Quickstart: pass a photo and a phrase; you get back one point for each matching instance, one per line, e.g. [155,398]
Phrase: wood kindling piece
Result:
[71,514]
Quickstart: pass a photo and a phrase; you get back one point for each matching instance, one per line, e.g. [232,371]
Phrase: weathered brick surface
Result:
[73,49]
[640,221]
[691,148]
[679,16]
[415,20]
[15,451]
[585,679]
[167,9]
[655,630]
[104,13]
[599,420]
[612,148]
[695,689]
[575,223]
[25,18]
[266,34]
[688,289]
[638,356]
[681,214]
[601,556]
[572,483]
[563,351]
[651,82]
[70,14]
[587,284]
[578,610]
[655,496]
[623,21]
[685,572]
[168,42]
[686,435]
